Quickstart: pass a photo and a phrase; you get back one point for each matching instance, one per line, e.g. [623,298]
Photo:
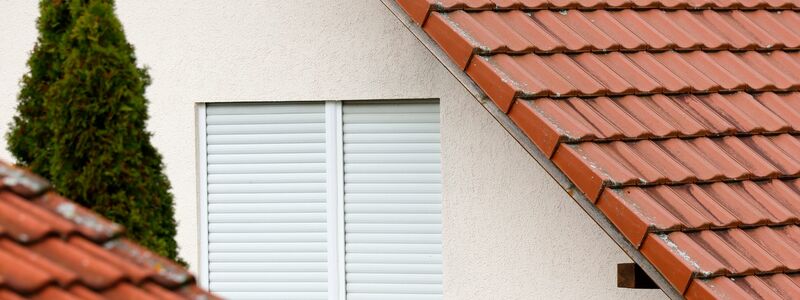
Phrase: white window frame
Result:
[202,189]
[335,192]
[334,198]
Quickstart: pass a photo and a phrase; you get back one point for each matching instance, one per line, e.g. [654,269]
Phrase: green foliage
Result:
[29,136]
[100,153]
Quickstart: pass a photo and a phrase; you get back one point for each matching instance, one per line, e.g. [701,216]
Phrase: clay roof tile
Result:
[678,119]
[52,248]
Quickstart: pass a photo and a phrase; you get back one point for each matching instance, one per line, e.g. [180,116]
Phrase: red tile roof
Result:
[52,248]
[678,119]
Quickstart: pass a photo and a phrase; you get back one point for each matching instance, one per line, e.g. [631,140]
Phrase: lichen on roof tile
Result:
[21,181]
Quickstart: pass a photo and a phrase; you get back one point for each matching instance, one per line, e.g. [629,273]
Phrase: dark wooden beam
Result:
[630,275]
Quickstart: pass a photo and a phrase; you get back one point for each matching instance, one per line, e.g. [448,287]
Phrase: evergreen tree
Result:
[29,137]
[100,153]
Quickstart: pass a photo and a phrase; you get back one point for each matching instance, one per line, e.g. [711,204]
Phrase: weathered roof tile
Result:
[52,248]
[679,119]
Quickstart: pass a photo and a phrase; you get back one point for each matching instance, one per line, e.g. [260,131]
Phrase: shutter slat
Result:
[267,267]
[266,128]
[275,257]
[277,138]
[354,268]
[271,287]
[276,168]
[276,295]
[393,218]
[267,216]
[274,237]
[392,128]
[394,258]
[264,118]
[387,168]
[268,178]
[391,118]
[392,158]
[280,277]
[265,148]
[266,158]
[393,147]
[267,198]
[378,288]
[397,238]
[391,137]
[393,178]
[266,207]
[393,248]
[238,188]
[393,228]
[396,278]
[273,108]
[266,227]
[397,208]
[392,201]
[267,247]
[354,108]
[391,198]
[374,296]
[399,188]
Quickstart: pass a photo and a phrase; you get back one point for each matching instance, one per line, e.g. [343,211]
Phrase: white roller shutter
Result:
[392,200]
[273,200]
[267,200]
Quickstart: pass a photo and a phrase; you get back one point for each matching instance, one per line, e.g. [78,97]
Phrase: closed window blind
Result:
[267,201]
[269,195]
[392,201]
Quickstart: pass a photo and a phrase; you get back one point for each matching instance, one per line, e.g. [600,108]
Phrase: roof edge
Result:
[541,158]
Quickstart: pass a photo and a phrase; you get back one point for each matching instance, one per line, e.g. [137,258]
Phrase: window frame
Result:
[334,192]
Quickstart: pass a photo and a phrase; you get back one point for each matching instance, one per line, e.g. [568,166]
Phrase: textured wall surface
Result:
[509,231]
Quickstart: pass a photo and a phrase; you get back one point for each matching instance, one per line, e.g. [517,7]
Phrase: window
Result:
[321,200]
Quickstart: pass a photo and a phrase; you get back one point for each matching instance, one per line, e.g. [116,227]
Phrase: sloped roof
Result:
[677,119]
[52,248]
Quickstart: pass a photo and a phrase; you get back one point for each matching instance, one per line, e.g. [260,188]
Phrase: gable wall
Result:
[509,231]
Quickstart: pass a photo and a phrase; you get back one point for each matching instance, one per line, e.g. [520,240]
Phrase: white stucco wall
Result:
[509,231]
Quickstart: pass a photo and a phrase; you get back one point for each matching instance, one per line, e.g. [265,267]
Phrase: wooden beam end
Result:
[631,276]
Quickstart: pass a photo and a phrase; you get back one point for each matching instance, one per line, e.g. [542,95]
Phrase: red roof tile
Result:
[659,116]
[420,9]
[52,248]
[678,119]
[571,31]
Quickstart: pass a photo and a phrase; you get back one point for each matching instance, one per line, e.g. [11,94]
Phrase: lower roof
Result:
[52,248]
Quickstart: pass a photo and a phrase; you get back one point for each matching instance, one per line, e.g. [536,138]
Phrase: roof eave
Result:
[534,151]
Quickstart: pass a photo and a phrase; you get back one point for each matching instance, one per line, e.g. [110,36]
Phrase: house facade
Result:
[323,138]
